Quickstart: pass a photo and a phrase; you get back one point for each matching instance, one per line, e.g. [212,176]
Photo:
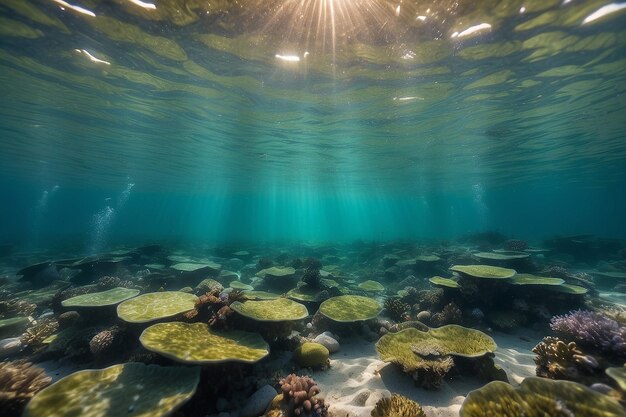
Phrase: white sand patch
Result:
[357,378]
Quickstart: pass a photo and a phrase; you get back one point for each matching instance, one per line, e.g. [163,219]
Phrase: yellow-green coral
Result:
[529,279]
[371,286]
[428,356]
[539,397]
[311,354]
[280,309]
[196,343]
[196,267]
[484,271]
[397,406]
[101,299]
[154,306]
[120,390]
[304,293]
[410,347]
[618,374]
[501,256]
[444,282]
[276,272]
[349,308]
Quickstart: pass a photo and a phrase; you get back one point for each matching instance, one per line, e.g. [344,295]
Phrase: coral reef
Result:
[312,275]
[107,343]
[109,282]
[19,382]
[451,314]
[154,306]
[298,398]
[592,330]
[101,299]
[350,308]
[36,334]
[428,355]
[397,406]
[278,310]
[117,391]
[396,309]
[515,245]
[11,308]
[539,397]
[559,360]
[311,355]
[196,343]
[68,319]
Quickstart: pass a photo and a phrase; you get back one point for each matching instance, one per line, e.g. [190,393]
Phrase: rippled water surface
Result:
[335,96]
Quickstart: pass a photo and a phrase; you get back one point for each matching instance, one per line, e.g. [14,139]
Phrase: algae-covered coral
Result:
[274,310]
[154,306]
[143,390]
[429,355]
[350,308]
[196,343]
[538,397]
[484,271]
[397,406]
[100,299]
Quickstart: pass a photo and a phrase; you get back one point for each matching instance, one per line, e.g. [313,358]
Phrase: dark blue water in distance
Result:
[79,216]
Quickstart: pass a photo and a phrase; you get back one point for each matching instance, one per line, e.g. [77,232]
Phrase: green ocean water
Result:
[263,121]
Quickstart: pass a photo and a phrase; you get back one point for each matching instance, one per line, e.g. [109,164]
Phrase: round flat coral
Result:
[195,343]
[130,389]
[155,306]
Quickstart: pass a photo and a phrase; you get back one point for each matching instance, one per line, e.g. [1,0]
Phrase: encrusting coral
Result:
[19,382]
[397,406]
[559,360]
[297,398]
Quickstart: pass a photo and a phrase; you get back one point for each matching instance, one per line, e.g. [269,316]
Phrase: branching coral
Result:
[11,308]
[105,344]
[593,330]
[108,282]
[396,309]
[451,314]
[298,397]
[515,245]
[397,406]
[312,274]
[19,382]
[36,334]
[559,360]
[430,299]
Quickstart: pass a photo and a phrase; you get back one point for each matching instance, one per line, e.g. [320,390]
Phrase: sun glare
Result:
[325,25]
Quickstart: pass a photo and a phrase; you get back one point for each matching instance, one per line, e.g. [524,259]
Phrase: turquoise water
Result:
[181,122]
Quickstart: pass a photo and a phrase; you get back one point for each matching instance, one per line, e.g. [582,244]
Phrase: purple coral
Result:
[591,329]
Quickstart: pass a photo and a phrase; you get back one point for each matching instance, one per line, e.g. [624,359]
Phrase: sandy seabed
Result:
[357,378]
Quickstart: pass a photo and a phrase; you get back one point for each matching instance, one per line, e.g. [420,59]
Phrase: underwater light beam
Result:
[321,25]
